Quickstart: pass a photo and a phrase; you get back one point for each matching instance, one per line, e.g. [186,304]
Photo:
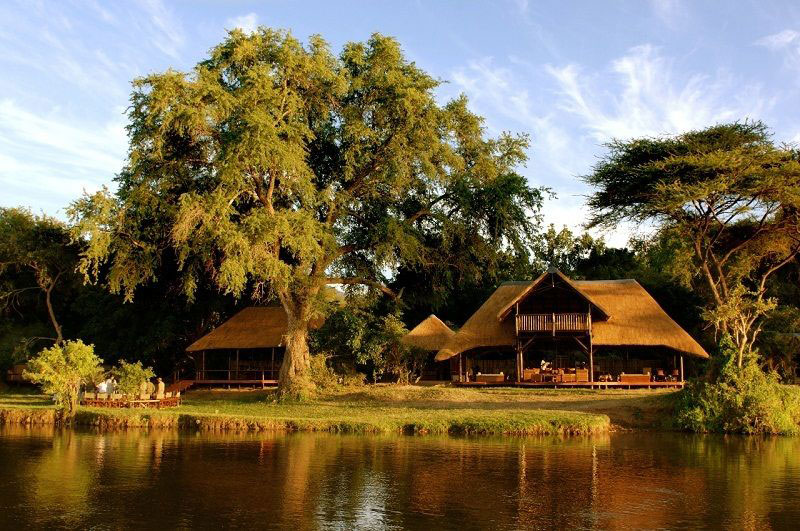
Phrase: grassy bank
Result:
[380,409]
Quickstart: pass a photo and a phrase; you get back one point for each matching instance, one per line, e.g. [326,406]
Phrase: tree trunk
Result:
[294,381]
[52,313]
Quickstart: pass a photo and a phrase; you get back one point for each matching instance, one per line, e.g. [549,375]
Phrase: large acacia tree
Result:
[276,168]
[727,198]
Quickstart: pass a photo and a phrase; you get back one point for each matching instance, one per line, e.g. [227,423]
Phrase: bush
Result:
[131,375]
[62,369]
[741,400]
[321,374]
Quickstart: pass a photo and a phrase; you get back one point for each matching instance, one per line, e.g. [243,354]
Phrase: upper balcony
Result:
[553,322]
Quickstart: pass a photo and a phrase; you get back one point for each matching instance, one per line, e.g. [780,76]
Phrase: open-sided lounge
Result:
[247,349]
[554,331]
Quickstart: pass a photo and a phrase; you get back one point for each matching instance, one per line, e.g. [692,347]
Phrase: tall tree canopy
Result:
[728,198]
[277,168]
[37,252]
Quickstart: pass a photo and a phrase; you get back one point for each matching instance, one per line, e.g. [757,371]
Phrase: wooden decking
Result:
[183,385]
[582,385]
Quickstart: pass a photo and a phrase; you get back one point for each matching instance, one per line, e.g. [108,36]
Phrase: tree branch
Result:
[363,282]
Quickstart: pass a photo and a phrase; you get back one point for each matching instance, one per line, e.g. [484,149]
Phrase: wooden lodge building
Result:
[247,349]
[554,331]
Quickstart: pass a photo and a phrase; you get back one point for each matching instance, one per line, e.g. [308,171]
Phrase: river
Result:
[51,478]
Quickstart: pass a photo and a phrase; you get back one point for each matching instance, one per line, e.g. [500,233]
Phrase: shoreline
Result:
[538,422]
[381,409]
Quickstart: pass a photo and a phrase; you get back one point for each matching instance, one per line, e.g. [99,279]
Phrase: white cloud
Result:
[556,159]
[247,23]
[49,159]
[166,31]
[647,97]
[572,111]
[496,90]
[787,43]
[780,40]
[670,12]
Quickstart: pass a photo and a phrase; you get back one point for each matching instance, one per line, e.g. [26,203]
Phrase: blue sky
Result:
[571,74]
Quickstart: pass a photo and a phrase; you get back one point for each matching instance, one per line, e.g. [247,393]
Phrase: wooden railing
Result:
[552,322]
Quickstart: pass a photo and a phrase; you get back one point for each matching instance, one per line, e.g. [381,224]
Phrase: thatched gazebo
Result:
[430,335]
[611,328]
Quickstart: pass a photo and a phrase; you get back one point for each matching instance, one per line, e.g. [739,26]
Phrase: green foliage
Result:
[323,376]
[563,249]
[62,369]
[742,399]
[404,362]
[131,375]
[729,200]
[365,336]
[278,167]
[36,257]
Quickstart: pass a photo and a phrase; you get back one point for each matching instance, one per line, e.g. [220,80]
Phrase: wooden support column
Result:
[682,368]
[237,363]
[460,368]
[203,365]
[272,367]
[591,348]
[519,362]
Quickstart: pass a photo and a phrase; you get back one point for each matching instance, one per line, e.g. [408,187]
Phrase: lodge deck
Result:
[230,382]
[582,385]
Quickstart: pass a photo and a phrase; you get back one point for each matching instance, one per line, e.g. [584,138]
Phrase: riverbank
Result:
[380,409]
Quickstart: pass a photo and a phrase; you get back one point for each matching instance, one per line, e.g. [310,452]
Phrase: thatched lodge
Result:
[247,349]
[558,331]
[430,335]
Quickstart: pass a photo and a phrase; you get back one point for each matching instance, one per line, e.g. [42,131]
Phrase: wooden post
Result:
[203,370]
[272,368]
[681,368]
[591,348]
[519,361]
[237,363]
[460,369]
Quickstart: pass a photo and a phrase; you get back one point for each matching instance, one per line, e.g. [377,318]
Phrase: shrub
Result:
[131,375]
[740,400]
[321,374]
[62,369]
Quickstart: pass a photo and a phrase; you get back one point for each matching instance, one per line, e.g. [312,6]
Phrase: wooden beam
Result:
[591,348]
[579,342]
[682,368]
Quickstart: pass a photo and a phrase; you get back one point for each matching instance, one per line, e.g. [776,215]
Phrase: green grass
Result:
[389,408]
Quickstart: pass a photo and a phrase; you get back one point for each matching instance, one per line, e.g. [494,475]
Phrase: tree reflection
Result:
[173,480]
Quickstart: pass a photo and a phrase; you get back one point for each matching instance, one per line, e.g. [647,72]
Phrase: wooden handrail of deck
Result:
[552,322]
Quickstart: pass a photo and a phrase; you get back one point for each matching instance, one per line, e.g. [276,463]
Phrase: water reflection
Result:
[53,478]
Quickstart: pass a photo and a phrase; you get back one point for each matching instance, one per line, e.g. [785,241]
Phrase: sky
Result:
[571,74]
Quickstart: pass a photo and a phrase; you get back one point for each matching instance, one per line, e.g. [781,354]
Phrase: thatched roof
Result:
[253,327]
[636,319]
[531,286]
[430,334]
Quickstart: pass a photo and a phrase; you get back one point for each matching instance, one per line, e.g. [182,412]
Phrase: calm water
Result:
[68,479]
